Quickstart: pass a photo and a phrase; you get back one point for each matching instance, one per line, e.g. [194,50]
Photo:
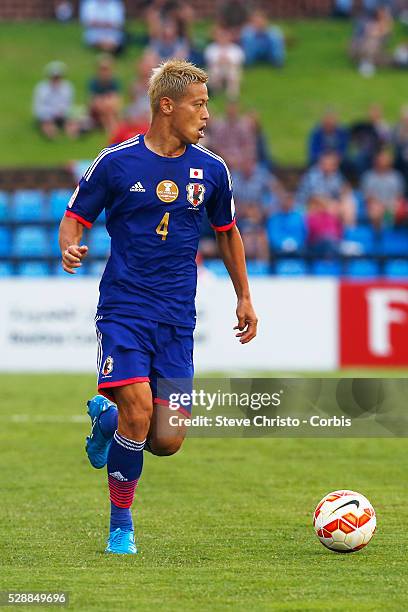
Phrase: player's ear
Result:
[166,105]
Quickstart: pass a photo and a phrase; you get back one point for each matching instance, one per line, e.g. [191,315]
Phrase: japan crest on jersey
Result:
[107,366]
[195,193]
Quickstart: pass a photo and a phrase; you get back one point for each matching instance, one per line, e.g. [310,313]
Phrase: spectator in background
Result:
[402,11]
[63,10]
[343,8]
[376,214]
[181,15]
[370,6]
[160,12]
[328,135]
[384,185]
[52,103]
[232,16]
[136,119]
[381,126]
[103,22]
[400,140]
[224,60]
[255,183]
[369,40]
[167,44]
[252,228]
[139,98]
[286,228]
[262,42]
[325,179]
[129,126]
[400,56]
[366,138]
[105,102]
[263,153]
[324,226]
[234,136]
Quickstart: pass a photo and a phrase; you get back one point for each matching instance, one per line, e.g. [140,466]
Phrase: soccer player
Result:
[154,190]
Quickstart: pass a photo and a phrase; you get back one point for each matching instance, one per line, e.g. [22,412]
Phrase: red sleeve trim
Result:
[122,383]
[69,213]
[223,228]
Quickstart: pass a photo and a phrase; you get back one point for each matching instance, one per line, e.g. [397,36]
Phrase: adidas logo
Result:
[138,187]
[118,476]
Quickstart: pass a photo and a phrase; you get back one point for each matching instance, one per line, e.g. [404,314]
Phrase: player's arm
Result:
[70,234]
[221,213]
[87,202]
[232,252]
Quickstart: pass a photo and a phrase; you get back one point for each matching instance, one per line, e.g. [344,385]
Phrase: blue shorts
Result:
[133,350]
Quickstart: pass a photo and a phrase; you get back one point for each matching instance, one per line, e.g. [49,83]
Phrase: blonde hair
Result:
[170,79]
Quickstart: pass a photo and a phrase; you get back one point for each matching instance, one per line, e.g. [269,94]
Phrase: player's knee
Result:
[135,417]
[164,447]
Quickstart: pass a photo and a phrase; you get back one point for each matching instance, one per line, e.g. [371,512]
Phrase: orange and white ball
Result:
[344,521]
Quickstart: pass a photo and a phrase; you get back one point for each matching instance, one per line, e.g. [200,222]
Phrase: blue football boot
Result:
[121,542]
[97,446]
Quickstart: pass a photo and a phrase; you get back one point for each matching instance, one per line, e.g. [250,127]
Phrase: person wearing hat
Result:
[53,101]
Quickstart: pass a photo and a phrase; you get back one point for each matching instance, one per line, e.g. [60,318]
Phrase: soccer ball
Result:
[344,521]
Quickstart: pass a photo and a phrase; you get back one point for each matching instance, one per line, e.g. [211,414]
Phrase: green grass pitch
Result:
[318,74]
[223,525]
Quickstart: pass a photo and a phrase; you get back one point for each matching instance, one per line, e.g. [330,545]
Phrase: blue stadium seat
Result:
[96,268]
[291,267]
[326,267]
[359,240]
[54,244]
[6,269]
[33,268]
[394,242]
[99,242]
[4,206]
[362,268]
[59,199]
[216,266]
[57,270]
[28,205]
[5,241]
[30,242]
[286,232]
[396,268]
[361,208]
[258,268]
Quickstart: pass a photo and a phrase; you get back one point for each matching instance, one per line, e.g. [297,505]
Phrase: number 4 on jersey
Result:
[163,228]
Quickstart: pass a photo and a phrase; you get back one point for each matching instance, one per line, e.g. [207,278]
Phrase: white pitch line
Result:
[48,418]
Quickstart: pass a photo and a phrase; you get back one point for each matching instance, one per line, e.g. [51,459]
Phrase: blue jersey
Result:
[154,207]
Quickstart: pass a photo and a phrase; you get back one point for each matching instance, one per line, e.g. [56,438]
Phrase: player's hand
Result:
[72,257]
[247,321]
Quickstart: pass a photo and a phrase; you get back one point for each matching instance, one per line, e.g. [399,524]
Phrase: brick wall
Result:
[17,10]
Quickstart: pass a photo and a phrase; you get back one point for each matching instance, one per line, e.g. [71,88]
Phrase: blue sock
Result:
[125,463]
[108,422]
[120,517]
